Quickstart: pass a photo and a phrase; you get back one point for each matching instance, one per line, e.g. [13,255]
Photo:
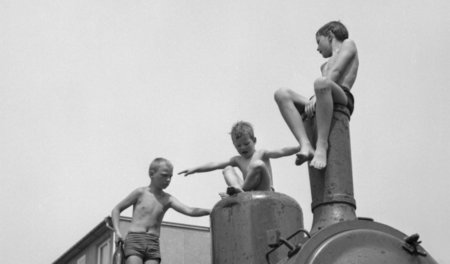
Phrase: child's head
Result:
[336,28]
[243,138]
[160,172]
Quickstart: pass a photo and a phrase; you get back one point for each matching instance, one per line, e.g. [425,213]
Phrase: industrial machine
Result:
[267,227]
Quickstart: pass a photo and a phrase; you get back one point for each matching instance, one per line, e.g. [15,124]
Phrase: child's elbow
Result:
[115,212]
[188,211]
[200,212]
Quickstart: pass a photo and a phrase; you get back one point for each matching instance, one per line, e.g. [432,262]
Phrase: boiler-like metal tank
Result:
[241,224]
[362,242]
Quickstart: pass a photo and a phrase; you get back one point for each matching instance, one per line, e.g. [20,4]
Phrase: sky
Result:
[92,91]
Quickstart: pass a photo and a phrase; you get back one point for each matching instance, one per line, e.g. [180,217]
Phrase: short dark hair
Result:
[335,27]
[156,163]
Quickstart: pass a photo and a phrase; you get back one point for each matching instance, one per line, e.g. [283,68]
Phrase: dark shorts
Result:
[143,245]
[350,99]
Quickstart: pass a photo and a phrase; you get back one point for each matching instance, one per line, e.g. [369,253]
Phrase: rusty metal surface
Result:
[359,241]
[239,226]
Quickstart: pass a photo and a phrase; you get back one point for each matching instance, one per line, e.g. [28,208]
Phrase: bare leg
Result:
[258,177]
[285,99]
[232,178]
[134,260]
[326,93]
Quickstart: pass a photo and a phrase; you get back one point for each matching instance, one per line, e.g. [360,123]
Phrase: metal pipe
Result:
[332,188]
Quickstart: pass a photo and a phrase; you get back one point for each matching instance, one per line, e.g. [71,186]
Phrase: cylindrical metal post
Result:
[332,188]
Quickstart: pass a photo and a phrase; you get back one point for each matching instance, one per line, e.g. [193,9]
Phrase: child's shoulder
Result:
[167,197]
[166,194]
[260,153]
[235,159]
[349,44]
[141,190]
[348,41]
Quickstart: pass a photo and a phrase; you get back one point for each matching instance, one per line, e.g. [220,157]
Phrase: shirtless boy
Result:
[254,164]
[150,203]
[338,76]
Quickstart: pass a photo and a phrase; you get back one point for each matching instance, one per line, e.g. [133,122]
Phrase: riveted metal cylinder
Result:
[332,188]
[240,225]
[358,241]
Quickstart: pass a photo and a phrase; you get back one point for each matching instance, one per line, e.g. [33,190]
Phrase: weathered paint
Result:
[239,226]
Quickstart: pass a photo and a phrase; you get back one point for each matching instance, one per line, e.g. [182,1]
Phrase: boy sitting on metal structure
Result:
[254,164]
[338,76]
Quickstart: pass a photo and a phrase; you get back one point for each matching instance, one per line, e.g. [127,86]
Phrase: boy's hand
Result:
[119,238]
[187,172]
[310,107]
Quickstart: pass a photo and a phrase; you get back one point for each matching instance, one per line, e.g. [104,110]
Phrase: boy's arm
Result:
[208,167]
[347,53]
[122,205]
[187,210]
[278,153]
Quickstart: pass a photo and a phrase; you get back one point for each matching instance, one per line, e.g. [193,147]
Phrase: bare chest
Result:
[244,164]
[328,66]
[148,203]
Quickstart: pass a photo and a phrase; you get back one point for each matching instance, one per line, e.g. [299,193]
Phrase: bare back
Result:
[148,211]
[350,68]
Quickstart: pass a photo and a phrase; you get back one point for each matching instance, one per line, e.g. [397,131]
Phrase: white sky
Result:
[92,91]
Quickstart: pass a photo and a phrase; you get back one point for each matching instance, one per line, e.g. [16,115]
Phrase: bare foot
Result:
[305,154]
[320,159]
[233,190]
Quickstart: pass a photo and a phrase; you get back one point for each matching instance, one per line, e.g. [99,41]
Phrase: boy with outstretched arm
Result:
[338,76]
[254,164]
[150,203]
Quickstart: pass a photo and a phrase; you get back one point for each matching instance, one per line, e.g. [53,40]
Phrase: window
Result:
[104,253]
[82,260]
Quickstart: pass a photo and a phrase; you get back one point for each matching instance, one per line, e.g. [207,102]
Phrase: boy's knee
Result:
[258,165]
[282,94]
[322,84]
[227,170]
